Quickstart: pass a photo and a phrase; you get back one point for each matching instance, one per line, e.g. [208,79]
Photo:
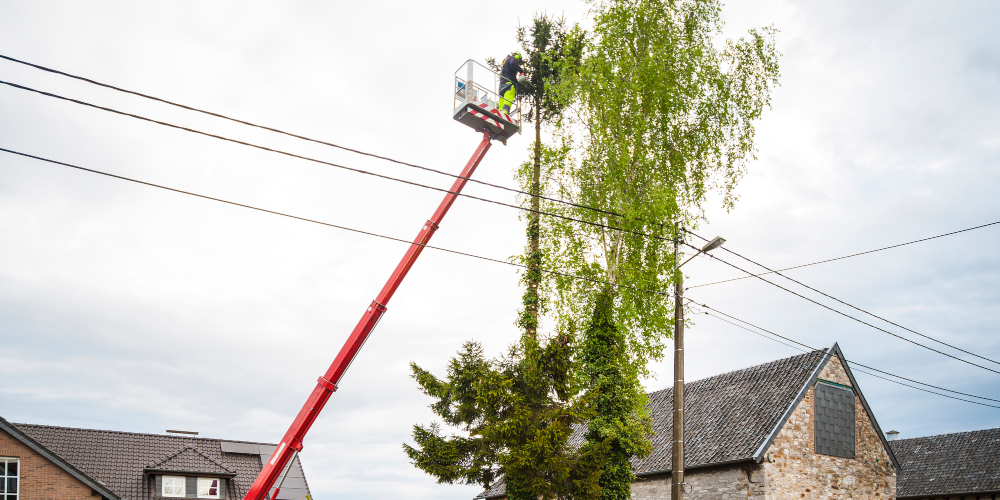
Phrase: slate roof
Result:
[727,417]
[730,417]
[118,460]
[956,464]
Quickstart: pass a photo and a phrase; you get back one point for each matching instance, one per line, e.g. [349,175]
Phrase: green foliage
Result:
[649,117]
[516,414]
[658,115]
[659,118]
[552,48]
[620,423]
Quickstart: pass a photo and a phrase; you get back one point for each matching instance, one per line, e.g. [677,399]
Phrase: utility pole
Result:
[677,456]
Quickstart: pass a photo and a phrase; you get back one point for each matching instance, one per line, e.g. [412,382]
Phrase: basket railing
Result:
[484,88]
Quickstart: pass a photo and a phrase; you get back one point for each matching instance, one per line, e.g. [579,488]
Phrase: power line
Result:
[302,137]
[441,172]
[809,349]
[369,233]
[813,348]
[847,256]
[858,308]
[352,169]
[847,315]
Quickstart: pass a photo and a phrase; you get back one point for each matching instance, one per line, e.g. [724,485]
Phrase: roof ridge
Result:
[947,434]
[738,370]
[141,433]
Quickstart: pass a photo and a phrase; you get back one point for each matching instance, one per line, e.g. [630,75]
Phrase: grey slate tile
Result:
[959,463]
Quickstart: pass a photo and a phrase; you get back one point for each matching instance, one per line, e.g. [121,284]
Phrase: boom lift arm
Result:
[291,443]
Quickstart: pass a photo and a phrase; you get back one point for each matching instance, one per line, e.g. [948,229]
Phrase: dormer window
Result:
[208,487]
[174,486]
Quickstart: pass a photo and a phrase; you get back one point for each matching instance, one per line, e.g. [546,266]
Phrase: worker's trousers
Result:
[507,96]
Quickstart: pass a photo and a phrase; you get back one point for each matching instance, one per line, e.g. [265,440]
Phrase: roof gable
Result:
[119,459]
[190,460]
[959,463]
[827,355]
[94,484]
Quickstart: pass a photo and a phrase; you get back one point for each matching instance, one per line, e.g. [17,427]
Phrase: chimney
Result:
[190,433]
[892,435]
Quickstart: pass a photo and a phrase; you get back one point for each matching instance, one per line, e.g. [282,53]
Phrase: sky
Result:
[130,308]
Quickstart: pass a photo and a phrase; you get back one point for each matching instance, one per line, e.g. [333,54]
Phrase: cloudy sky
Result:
[130,308]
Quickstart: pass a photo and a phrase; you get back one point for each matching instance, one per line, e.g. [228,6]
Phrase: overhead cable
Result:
[315,160]
[369,233]
[846,256]
[809,349]
[429,169]
[304,138]
[863,322]
[855,307]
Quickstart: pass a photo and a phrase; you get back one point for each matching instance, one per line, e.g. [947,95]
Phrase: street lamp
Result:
[677,461]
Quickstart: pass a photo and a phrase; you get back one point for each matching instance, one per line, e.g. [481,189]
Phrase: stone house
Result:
[794,428]
[40,462]
[963,465]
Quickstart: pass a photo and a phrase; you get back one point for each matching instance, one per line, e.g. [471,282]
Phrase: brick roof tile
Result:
[118,459]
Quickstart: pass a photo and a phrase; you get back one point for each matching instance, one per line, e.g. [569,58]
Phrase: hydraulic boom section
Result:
[268,481]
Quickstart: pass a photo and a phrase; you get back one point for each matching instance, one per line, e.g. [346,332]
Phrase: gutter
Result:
[149,470]
[699,466]
[956,494]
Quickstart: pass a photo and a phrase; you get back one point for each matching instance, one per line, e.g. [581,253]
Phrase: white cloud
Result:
[129,308]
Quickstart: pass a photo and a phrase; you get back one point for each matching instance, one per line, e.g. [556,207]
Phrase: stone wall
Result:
[40,478]
[734,482]
[793,470]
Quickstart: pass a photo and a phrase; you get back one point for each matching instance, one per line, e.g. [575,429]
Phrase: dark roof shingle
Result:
[960,463]
[117,459]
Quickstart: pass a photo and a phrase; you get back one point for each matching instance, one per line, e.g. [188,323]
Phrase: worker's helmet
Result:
[517,55]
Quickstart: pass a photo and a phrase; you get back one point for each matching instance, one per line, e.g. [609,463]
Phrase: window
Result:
[8,478]
[834,420]
[208,487]
[173,486]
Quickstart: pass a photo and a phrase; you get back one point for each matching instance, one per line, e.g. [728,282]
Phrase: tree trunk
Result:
[529,317]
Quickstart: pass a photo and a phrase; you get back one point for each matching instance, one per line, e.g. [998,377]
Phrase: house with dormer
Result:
[41,462]
[794,428]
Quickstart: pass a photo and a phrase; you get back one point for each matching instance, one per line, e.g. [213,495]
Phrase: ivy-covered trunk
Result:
[534,276]
[617,398]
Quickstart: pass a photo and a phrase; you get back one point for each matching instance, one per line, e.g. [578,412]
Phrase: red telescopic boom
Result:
[291,444]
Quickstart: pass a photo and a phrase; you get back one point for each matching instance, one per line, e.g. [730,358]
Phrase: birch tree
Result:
[663,114]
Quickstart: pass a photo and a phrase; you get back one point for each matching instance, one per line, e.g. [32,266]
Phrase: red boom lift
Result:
[475,106]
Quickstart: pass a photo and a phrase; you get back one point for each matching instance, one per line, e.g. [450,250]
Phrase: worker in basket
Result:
[510,71]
